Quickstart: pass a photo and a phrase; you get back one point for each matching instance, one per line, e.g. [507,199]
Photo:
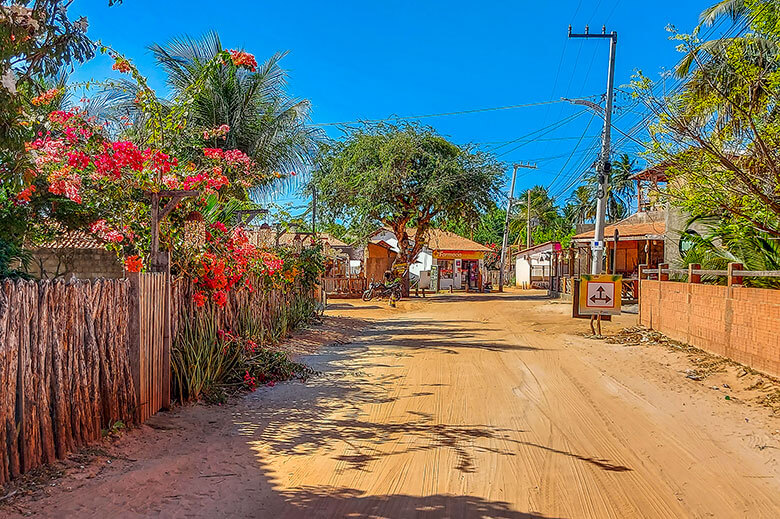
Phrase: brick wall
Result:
[742,324]
[82,263]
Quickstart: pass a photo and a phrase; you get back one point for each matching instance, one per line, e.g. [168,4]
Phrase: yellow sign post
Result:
[600,295]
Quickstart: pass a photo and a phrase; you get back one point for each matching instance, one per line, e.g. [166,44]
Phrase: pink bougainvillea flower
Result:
[105,232]
[64,182]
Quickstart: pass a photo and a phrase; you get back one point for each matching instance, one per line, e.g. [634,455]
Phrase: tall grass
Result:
[207,362]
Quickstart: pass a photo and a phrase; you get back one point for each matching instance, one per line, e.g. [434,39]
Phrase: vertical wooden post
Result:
[661,275]
[134,339]
[733,279]
[694,278]
[733,274]
[166,344]
[640,274]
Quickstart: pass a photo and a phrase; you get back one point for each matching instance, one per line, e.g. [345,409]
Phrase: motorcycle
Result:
[376,289]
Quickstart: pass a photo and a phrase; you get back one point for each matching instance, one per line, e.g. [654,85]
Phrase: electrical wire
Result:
[442,114]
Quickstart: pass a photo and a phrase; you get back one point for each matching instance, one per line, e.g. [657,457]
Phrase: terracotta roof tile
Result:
[629,229]
[73,240]
[439,239]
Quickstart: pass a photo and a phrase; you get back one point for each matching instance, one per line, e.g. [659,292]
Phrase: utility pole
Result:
[528,217]
[506,221]
[604,166]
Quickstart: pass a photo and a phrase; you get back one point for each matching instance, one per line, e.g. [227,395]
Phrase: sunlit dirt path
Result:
[460,406]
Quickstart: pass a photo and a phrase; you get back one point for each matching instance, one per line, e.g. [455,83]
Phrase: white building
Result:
[534,265]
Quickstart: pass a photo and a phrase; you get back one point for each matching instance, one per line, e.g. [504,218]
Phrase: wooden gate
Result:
[150,341]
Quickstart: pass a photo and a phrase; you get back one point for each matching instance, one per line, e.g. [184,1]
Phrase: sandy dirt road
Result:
[461,406]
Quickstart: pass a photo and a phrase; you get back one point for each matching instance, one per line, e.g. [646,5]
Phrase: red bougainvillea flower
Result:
[46,97]
[23,196]
[219,297]
[199,298]
[134,264]
[243,59]
[250,381]
[220,227]
[213,153]
[251,346]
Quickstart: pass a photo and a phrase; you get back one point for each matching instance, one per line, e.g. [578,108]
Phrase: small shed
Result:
[533,266]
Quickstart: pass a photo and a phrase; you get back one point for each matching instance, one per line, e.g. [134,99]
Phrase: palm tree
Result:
[580,206]
[265,123]
[621,188]
[619,192]
[544,213]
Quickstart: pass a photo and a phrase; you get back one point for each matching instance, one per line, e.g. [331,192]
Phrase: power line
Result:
[442,114]
[552,128]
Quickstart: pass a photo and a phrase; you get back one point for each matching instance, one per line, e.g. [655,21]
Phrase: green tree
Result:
[719,132]
[620,189]
[403,176]
[37,39]
[487,228]
[580,206]
[265,122]
[547,220]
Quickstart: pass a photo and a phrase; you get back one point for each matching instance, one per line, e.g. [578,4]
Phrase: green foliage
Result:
[403,176]
[730,242]
[265,123]
[37,39]
[487,229]
[548,222]
[209,363]
[718,134]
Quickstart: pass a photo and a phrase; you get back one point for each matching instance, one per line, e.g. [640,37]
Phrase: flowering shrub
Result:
[216,133]
[107,180]
[45,98]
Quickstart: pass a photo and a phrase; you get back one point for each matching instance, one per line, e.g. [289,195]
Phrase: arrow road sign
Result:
[599,295]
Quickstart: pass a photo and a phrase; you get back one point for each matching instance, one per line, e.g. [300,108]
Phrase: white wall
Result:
[522,271]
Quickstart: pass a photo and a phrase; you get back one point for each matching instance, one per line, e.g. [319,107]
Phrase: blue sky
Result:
[372,60]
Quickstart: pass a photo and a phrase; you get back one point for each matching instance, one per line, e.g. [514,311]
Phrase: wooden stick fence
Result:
[64,368]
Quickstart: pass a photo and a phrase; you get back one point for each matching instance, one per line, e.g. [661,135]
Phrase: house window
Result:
[687,240]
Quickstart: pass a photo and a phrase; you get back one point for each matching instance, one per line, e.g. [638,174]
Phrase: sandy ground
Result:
[480,405]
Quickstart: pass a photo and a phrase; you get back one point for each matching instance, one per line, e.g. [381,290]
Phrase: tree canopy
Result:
[718,134]
[401,177]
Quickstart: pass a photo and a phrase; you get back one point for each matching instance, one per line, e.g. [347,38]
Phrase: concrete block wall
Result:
[739,323]
[82,263]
